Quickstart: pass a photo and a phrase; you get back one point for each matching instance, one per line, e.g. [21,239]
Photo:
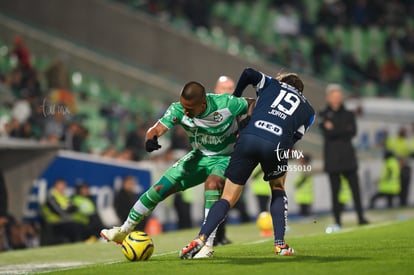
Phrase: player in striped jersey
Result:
[209,121]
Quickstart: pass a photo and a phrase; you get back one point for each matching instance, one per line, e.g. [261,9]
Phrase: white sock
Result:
[138,212]
[210,240]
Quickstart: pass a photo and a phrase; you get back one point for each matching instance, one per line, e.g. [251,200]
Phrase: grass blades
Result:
[386,246]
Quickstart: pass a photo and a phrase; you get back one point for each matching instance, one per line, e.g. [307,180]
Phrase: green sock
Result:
[211,196]
[142,208]
[146,203]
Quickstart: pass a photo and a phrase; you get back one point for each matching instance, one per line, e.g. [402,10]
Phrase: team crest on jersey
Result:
[217,116]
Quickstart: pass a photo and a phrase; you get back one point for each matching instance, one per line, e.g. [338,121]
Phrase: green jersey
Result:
[214,131]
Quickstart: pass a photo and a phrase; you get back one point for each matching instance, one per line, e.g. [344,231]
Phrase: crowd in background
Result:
[387,64]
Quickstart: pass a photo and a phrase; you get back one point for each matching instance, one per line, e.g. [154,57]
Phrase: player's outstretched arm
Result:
[151,137]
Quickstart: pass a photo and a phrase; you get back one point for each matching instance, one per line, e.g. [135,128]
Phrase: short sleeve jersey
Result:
[214,131]
[281,112]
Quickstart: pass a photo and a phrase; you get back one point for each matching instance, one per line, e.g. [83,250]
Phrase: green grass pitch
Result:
[386,246]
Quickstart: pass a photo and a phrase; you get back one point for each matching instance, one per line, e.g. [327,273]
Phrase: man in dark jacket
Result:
[338,128]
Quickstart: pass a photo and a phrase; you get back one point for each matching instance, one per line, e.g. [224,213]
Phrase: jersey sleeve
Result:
[248,77]
[237,105]
[172,116]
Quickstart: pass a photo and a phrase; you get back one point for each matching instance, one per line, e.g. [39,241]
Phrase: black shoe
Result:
[225,241]
[363,222]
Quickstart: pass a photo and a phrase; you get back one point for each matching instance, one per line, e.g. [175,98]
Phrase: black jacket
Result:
[339,153]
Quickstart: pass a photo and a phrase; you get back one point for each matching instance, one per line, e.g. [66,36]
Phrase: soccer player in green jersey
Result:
[209,120]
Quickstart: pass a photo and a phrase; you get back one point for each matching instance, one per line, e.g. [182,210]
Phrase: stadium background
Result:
[137,54]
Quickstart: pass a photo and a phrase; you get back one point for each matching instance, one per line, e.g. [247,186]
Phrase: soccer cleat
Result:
[205,252]
[114,234]
[333,228]
[284,250]
[190,250]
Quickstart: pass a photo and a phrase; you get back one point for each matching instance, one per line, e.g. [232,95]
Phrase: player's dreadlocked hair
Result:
[193,90]
[291,79]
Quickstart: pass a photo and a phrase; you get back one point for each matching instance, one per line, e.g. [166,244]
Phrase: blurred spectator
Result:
[21,110]
[286,23]
[182,205]
[135,141]
[389,183]
[197,12]
[321,53]
[125,154]
[6,95]
[59,225]
[360,14]
[407,43]
[284,54]
[304,187]
[307,27]
[37,119]
[23,55]
[345,193]
[75,137]
[125,199]
[224,85]
[332,13]
[400,147]
[57,75]
[394,13]
[390,76]
[55,125]
[393,44]
[110,152]
[353,71]
[260,189]
[16,82]
[86,214]
[298,62]
[338,127]
[371,70]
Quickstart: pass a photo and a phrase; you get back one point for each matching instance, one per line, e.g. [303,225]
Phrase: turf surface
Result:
[386,246]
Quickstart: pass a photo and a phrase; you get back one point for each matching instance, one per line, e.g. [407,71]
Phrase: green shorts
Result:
[194,168]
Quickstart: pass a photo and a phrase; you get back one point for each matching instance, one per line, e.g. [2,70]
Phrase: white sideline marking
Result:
[55,266]
[39,267]
[257,241]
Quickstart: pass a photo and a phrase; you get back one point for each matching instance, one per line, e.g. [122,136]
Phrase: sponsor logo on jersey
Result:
[209,139]
[268,126]
[217,116]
